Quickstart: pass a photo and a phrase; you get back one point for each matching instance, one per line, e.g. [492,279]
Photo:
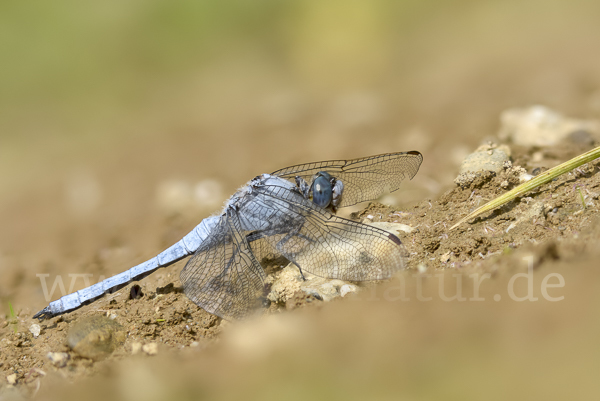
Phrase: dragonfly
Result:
[290,213]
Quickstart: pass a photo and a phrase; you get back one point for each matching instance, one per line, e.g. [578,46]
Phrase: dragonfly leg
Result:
[289,255]
[301,274]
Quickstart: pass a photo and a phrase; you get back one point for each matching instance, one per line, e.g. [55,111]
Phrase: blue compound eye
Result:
[321,192]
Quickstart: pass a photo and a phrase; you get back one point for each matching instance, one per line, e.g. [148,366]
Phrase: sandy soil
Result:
[551,228]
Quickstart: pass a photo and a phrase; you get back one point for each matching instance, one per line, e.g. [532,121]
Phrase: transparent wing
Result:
[364,179]
[223,277]
[322,243]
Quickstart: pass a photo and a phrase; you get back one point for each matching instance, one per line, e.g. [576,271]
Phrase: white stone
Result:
[12,379]
[347,289]
[35,329]
[58,359]
[150,348]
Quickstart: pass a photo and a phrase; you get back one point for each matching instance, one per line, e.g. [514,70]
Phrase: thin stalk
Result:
[535,182]
[13,318]
[582,198]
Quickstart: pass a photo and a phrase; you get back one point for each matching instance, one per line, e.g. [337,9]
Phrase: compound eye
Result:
[321,192]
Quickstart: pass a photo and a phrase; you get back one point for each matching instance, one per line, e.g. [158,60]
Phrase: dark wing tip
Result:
[418,155]
[395,239]
[45,313]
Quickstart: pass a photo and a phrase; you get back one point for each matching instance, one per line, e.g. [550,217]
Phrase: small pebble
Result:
[35,329]
[194,344]
[347,288]
[136,348]
[368,219]
[525,177]
[58,359]
[12,379]
[150,348]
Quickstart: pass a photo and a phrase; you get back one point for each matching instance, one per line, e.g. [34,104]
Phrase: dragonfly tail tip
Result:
[43,314]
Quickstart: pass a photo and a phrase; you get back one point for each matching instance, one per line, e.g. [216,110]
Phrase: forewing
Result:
[324,244]
[223,277]
[364,179]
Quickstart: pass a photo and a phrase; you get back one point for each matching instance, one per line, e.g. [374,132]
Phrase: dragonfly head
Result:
[322,189]
[327,191]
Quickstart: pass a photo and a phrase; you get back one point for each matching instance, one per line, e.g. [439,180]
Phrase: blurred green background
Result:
[75,76]
[110,110]
[83,77]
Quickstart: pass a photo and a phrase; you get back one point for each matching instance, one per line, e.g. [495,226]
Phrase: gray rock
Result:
[486,158]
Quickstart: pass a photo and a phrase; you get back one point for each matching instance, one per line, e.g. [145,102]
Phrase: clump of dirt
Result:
[557,210]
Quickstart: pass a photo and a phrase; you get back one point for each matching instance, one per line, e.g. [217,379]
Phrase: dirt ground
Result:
[559,237]
[133,130]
